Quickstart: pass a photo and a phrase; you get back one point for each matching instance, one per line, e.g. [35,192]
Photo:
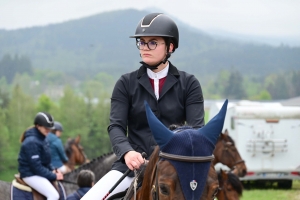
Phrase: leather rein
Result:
[155,187]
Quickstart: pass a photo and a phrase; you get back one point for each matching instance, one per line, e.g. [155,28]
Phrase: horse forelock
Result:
[233,180]
[68,147]
[236,183]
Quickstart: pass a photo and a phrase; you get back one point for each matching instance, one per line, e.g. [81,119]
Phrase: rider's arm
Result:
[118,119]
[34,161]
[194,103]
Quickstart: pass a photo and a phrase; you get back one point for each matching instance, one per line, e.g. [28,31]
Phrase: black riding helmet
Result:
[58,126]
[44,119]
[158,24]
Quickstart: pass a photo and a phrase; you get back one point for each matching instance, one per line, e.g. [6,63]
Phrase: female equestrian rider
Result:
[35,159]
[173,95]
[58,155]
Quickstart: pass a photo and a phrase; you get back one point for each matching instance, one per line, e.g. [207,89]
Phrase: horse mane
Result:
[83,166]
[177,127]
[68,145]
[234,181]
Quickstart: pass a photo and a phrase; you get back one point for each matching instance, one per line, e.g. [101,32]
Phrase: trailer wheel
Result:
[285,184]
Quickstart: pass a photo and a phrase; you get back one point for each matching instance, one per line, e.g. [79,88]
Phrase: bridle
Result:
[226,150]
[80,151]
[221,188]
[155,187]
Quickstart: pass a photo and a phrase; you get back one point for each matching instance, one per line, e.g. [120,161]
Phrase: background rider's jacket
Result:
[34,157]
[180,100]
[58,155]
[78,194]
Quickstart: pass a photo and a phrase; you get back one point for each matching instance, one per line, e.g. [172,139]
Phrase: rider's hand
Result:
[59,176]
[133,160]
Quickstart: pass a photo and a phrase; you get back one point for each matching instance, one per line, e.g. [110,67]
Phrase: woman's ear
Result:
[171,48]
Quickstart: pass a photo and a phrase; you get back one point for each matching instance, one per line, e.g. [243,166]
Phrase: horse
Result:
[210,190]
[100,166]
[227,154]
[180,168]
[75,153]
[230,186]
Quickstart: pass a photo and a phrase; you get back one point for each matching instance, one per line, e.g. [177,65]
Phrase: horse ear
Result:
[226,132]
[214,127]
[77,139]
[160,132]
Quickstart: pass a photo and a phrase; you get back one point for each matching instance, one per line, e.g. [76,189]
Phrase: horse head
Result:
[180,168]
[227,154]
[230,186]
[75,153]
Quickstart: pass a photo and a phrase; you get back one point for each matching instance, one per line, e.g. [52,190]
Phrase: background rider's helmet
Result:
[158,24]
[44,119]
[58,126]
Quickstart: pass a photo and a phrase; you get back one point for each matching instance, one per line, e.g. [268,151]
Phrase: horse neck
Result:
[149,176]
[100,166]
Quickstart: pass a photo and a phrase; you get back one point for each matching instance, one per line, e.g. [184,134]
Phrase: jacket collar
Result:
[172,78]
[172,70]
[34,132]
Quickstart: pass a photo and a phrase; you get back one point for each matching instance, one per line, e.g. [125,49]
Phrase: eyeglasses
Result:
[151,44]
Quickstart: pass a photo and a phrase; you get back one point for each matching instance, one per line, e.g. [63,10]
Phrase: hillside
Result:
[101,43]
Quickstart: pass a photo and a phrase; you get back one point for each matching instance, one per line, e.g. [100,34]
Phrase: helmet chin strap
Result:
[152,67]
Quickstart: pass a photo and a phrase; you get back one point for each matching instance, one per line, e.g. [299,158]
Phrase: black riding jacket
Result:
[180,101]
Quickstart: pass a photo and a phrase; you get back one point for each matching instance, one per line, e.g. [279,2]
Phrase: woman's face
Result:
[43,130]
[153,56]
[58,133]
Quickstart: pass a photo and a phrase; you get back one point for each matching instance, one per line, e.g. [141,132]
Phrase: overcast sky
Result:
[254,17]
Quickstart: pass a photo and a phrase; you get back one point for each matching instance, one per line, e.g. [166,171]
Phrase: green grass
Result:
[273,194]
[8,175]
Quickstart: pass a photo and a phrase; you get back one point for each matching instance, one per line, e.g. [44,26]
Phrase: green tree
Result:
[295,83]
[277,86]
[9,66]
[97,138]
[72,114]
[4,140]
[20,116]
[45,104]
[234,86]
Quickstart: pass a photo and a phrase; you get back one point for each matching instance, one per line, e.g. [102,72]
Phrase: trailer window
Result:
[232,123]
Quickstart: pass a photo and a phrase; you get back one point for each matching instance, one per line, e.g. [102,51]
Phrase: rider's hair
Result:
[22,138]
[85,178]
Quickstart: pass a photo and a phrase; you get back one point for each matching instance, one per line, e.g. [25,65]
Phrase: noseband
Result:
[155,187]
[226,150]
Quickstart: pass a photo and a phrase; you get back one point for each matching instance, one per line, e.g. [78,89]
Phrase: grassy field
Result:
[271,193]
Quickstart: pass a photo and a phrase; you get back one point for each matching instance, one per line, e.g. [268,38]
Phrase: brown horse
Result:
[230,186]
[169,182]
[75,153]
[227,154]
[179,169]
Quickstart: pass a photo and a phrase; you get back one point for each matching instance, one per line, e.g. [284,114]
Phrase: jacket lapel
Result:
[171,80]
[143,79]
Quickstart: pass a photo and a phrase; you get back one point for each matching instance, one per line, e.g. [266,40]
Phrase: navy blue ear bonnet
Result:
[189,142]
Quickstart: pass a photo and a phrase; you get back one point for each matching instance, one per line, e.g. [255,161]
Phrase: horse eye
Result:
[215,192]
[164,189]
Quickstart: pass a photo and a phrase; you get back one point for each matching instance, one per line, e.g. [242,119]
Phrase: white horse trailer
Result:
[267,136]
